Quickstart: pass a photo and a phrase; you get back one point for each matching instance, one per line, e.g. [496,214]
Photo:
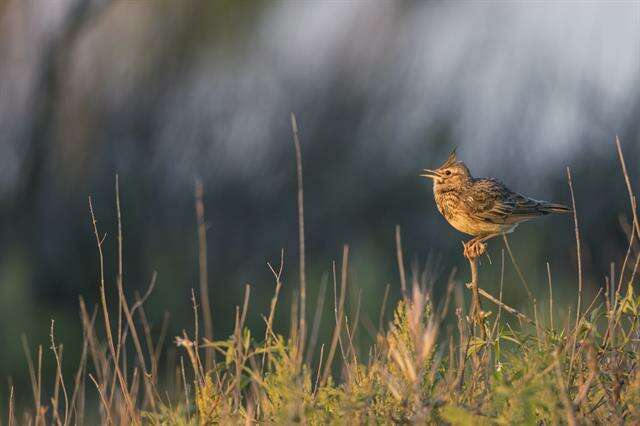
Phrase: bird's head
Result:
[452,173]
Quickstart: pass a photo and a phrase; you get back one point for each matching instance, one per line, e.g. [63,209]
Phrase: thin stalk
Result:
[203,272]
[301,244]
[578,253]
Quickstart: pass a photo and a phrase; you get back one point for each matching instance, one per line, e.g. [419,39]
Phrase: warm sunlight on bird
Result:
[481,207]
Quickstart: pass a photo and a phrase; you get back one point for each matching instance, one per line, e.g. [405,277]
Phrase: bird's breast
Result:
[452,206]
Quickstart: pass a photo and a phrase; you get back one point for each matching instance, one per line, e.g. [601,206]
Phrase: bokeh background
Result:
[163,92]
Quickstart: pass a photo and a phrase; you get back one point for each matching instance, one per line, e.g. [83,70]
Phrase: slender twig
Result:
[32,374]
[517,267]
[635,269]
[632,201]
[400,257]
[628,254]
[475,311]
[11,403]
[78,381]
[383,307]
[124,306]
[354,328]
[495,324]
[301,246]
[504,306]
[105,312]
[550,295]
[202,271]
[444,310]
[104,402]
[120,275]
[475,301]
[339,312]
[274,301]
[315,387]
[629,188]
[186,389]
[579,256]
[54,348]
[315,328]
[197,365]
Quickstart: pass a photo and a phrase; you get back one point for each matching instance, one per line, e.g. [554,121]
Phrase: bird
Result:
[481,207]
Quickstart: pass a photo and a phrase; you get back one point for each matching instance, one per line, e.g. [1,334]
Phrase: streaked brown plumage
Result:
[482,207]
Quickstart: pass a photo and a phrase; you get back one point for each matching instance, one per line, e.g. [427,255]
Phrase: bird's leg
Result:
[474,248]
[477,246]
[466,248]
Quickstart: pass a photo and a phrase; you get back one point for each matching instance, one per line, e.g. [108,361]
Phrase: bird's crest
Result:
[452,159]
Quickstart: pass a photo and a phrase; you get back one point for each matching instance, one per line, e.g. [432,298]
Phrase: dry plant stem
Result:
[507,308]
[274,301]
[238,337]
[476,308]
[335,309]
[628,254]
[186,389]
[629,188]
[107,324]
[138,347]
[578,253]
[146,328]
[463,349]
[11,402]
[495,323]
[120,274]
[124,307]
[315,328]
[444,309]
[59,372]
[32,373]
[550,296]
[40,414]
[518,270]
[163,334]
[78,377]
[383,307]
[635,269]
[315,387]
[88,326]
[400,257]
[354,328]
[203,275]
[339,311]
[301,248]
[104,402]
[632,201]
[197,365]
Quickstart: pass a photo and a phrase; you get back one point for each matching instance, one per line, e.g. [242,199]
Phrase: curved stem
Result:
[475,312]
[475,300]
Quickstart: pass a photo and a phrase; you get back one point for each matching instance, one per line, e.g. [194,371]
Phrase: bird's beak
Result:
[431,174]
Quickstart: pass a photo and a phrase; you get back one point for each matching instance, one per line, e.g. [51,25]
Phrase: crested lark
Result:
[484,208]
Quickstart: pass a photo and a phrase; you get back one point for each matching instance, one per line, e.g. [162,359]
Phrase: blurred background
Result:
[164,92]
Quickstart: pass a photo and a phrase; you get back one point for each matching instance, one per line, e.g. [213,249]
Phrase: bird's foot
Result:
[474,249]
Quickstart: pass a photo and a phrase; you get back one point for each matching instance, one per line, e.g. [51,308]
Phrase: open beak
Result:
[431,174]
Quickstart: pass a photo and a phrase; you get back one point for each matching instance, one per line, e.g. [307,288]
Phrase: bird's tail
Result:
[555,208]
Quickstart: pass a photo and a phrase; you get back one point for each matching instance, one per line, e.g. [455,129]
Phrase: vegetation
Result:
[504,367]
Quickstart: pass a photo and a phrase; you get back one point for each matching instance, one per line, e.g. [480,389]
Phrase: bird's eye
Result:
[447,172]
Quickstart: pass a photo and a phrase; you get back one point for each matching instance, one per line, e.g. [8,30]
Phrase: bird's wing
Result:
[489,200]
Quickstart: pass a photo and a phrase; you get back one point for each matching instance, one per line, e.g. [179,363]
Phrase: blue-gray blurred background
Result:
[163,92]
